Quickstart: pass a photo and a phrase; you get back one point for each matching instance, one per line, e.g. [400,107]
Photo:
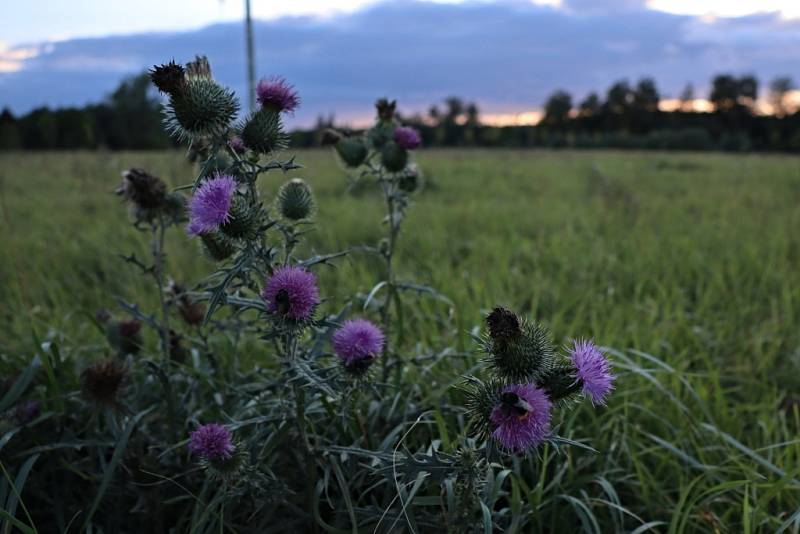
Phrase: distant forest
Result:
[626,117]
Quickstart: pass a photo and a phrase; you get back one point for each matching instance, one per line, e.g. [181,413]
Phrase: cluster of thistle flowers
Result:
[529,378]
[225,214]
[387,143]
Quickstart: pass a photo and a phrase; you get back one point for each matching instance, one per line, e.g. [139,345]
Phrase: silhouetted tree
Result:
[590,106]
[9,131]
[557,108]
[778,89]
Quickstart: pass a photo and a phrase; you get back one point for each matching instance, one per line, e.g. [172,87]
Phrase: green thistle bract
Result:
[521,357]
[481,398]
[203,108]
[295,200]
[263,132]
[352,150]
[243,221]
[394,157]
[217,246]
[559,382]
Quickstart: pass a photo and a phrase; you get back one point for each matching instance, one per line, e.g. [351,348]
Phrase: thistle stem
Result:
[158,275]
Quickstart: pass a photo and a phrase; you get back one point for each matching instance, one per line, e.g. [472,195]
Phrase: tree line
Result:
[626,116]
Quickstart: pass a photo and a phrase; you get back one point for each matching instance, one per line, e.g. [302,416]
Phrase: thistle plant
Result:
[528,380]
[382,154]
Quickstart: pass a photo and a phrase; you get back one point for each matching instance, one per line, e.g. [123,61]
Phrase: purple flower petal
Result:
[358,339]
[278,94]
[210,205]
[212,442]
[521,432]
[593,370]
[291,292]
[407,137]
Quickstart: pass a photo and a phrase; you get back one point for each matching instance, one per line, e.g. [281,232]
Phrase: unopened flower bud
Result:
[295,200]
[394,157]
[243,220]
[352,150]
[263,132]
[217,246]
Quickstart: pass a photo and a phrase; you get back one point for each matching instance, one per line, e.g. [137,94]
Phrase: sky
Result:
[507,55]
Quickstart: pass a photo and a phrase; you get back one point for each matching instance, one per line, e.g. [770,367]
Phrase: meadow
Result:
[685,266]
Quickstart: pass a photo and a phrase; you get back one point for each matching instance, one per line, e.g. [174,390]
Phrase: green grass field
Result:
[687,266]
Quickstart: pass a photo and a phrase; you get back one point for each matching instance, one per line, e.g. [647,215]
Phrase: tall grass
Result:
[686,265]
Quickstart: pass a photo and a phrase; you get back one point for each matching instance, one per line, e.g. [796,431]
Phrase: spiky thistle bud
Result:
[217,246]
[352,150]
[203,108]
[516,349]
[243,220]
[169,78]
[386,109]
[263,132]
[125,336]
[103,382]
[559,382]
[394,157]
[295,200]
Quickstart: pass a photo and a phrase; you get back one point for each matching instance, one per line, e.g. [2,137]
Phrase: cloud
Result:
[507,55]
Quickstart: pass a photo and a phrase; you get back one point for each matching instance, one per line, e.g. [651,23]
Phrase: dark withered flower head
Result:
[503,325]
[144,190]
[103,381]
[386,109]
[169,78]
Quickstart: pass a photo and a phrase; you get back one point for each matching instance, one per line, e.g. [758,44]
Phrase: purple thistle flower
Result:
[210,205]
[212,442]
[522,419]
[291,292]
[593,370]
[407,137]
[358,339]
[278,94]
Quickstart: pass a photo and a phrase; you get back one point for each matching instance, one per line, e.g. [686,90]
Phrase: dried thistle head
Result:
[504,325]
[169,78]
[386,109]
[103,381]
[142,189]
